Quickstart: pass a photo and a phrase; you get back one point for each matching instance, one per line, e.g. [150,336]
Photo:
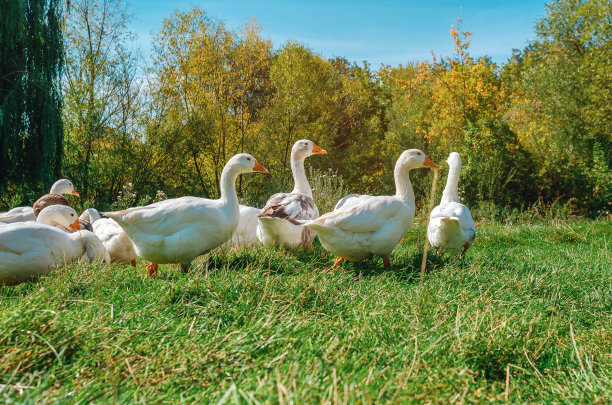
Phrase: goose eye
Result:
[419,153]
[249,159]
[71,215]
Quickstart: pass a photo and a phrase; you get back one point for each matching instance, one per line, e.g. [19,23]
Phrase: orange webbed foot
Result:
[152,270]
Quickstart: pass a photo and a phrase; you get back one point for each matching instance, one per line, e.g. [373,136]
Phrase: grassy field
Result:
[526,317]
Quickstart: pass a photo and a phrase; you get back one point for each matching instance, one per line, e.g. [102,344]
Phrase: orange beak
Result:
[74,192]
[317,149]
[259,168]
[75,226]
[429,163]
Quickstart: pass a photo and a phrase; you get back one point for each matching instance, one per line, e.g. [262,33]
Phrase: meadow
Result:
[526,316]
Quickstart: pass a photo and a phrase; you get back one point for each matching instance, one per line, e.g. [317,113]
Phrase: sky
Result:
[385,32]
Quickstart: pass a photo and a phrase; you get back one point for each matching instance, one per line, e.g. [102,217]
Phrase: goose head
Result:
[304,148]
[454,160]
[63,186]
[90,215]
[415,159]
[245,163]
[59,215]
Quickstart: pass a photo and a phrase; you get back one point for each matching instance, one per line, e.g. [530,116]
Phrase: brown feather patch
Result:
[278,205]
[47,200]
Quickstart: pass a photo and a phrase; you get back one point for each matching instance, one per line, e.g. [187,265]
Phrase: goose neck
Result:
[228,186]
[299,175]
[451,193]
[403,186]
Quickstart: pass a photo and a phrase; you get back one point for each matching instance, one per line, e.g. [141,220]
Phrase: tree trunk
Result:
[197,167]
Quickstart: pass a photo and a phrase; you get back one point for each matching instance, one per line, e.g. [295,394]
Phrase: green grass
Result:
[529,303]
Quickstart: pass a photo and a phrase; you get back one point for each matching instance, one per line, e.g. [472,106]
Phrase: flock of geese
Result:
[34,240]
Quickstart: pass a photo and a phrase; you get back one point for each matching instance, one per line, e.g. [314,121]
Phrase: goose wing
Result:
[364,214]
[459,212]
[291,207]
[166,217]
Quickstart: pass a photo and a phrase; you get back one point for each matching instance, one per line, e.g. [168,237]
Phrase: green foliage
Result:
[492,172]
[101,95]
[31,62]
[533,131]
[530,303]
[327,189]
[562,107]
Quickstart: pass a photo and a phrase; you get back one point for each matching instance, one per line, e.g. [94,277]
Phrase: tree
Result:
[562,104]
[462,104]
[31,63]
[101,93]
[210,85]
[356,124]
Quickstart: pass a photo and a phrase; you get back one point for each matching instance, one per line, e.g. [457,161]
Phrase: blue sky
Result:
[381,32]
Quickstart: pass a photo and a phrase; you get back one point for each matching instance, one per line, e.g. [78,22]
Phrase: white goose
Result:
[362,226]
[55,216]
[90,215]
[29,249]
[21,214]
[179,230]
[113,237]
[451,227]
[278,220]
[18,214]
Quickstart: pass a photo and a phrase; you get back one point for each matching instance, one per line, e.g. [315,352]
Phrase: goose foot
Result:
[185,267]
[337,263]
[387,262]
[133,262]
[152,270]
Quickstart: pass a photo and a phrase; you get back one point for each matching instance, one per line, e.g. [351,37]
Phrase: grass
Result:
[526,317]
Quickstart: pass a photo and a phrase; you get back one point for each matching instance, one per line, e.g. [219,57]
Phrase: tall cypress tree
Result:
[31,61]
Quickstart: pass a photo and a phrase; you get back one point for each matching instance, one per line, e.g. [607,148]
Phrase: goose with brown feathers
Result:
[278,220]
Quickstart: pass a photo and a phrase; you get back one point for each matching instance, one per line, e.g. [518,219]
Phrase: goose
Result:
[116,241]
[113,237]
[180,229]
[29,249]
[21,214]
[278,220]
[87,218]
[63,186]
[451,227]
[18,214]
[362,226]
[90,215]
[58,216]
[246,232]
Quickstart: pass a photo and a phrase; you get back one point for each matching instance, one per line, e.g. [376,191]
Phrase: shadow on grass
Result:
[272,260]
[404,268]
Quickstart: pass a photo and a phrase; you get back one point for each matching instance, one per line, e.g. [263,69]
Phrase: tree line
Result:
[533,129]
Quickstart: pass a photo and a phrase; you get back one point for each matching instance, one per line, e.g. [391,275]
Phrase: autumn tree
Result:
[301,83]
[562,104]
[210,84]
[462,104]
[357,125]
